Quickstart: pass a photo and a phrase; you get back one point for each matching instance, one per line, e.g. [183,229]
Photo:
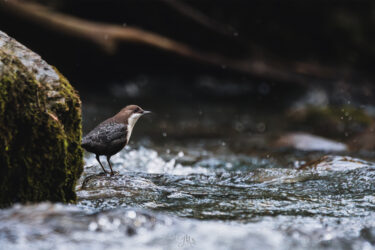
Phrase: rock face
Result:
[40,129]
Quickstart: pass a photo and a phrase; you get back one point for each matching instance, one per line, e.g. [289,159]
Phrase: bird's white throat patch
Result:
[131,122]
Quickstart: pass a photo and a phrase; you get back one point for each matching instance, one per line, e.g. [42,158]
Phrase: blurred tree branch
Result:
[200,17]
[109,36]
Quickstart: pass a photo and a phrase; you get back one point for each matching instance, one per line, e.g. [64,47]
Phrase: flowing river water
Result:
[199,175]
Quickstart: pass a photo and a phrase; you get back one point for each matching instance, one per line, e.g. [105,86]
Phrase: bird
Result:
[112,135]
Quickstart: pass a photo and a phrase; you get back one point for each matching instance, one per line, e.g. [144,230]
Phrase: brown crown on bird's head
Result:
[130,111]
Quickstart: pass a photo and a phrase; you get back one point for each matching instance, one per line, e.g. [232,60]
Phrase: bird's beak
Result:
[146,112]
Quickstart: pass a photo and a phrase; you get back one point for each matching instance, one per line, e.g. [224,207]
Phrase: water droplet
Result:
[116,222]
[164,134]
[93,226]
[102,221]
[228,165]
[131,214]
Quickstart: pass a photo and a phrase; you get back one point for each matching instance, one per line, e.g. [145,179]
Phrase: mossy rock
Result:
[339,122]
[40,129]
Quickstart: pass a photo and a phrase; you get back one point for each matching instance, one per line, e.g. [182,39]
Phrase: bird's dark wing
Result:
[104,136]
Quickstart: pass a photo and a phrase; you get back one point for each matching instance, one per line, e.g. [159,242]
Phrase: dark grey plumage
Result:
[112,135]
[106,139]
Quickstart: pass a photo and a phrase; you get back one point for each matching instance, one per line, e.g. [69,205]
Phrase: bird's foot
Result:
[114,173]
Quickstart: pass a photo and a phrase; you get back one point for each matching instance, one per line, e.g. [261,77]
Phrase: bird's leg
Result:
[109,163]
[97,157]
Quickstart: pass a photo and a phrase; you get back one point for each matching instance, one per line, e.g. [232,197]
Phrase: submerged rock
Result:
[308,142]
[337,163]
[369,234]
[40,128]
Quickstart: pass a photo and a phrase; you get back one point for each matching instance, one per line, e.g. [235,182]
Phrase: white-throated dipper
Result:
[112,135]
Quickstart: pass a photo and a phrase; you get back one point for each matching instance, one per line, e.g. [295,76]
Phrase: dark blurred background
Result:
[333,39]
[190,58]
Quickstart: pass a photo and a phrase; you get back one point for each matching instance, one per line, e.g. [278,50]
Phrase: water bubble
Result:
[296,164]
[93,226]
[102,221]
[131,214]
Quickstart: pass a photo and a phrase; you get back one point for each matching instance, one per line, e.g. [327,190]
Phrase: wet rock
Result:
[368,234]
[117,180]
[331,121]
[337,163]
[118,189]
[40,128]
[308,142]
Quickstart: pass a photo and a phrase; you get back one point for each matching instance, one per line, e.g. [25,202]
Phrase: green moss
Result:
[40,156]
[332,121]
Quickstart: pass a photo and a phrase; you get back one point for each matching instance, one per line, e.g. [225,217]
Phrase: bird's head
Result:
[132,113]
